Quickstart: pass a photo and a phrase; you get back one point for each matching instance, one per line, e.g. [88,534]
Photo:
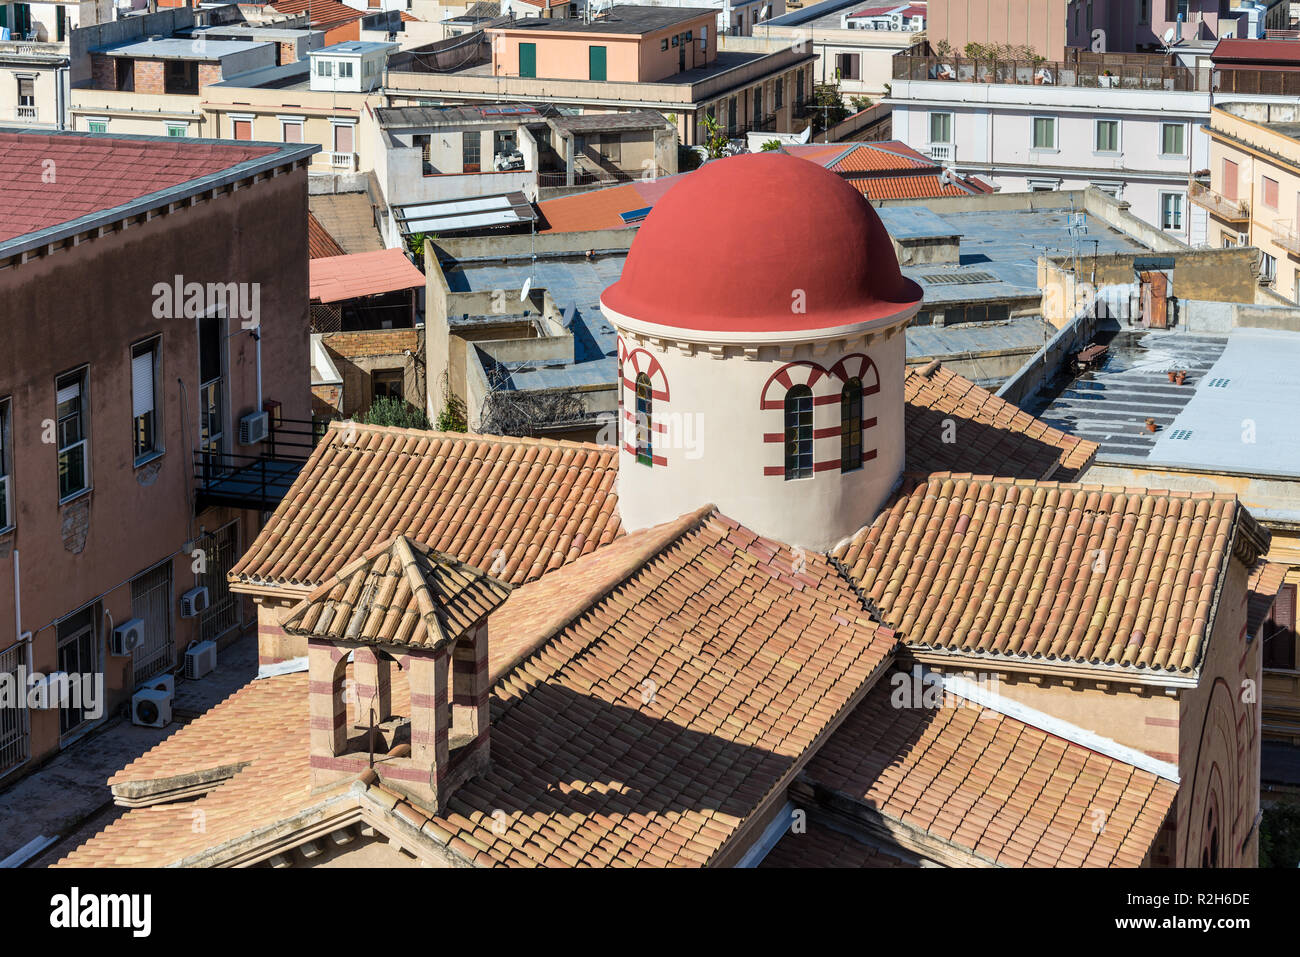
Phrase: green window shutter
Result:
[528,59]
[596,63]
[60,19]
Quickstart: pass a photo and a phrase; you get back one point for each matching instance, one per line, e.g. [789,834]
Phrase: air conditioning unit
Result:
[127,637]
[50,691]
[200,658]
[151,708]
[253,428]
[194,602]
[165,682]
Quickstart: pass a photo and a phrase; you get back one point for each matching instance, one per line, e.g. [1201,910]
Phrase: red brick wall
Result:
[373,343]
[149,76]
[209,73]
[103,72]
[288,52]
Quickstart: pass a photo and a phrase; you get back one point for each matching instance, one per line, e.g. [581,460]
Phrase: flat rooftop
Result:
[354,48]
[622,18]
[1235,413]
[180,48]
[401,117]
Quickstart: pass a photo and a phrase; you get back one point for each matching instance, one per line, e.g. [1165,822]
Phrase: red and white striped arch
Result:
[633,364]
[827,387]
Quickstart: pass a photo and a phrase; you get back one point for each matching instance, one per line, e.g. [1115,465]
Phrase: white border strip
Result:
[973,692]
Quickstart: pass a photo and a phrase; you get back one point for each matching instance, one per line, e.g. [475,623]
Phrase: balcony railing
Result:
[1286,236]
[1229,210]
[1133,76]
[25,114]
[942,152]
[256,480]
[555,178]
[343,161]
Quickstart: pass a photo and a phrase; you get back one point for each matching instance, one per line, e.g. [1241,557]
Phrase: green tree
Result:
[397,413]
[715,140]
[827,106]
[452,416]
[771,145]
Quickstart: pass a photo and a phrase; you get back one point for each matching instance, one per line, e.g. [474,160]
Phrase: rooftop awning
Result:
[449,216]
[336,278]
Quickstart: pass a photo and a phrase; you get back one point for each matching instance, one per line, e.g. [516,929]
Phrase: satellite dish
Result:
[1168,37]
[528,285]
[806,135]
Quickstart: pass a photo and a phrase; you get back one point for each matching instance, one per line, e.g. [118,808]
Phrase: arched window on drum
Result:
[798,433]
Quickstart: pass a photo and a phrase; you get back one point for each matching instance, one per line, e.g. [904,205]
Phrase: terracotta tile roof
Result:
[926,186]
[820,846]
[274,786]
[319,242]
[990,784]
[201,754]
[400,592]
[350,220]
[992,436]
[336,278]
[647,730]
[96,173]
[1054,572]
[600,208]
[516,506]
[321,13]
[886,170]
[1262,586]
[879,157]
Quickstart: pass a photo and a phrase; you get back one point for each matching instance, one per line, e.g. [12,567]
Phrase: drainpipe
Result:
[18,613]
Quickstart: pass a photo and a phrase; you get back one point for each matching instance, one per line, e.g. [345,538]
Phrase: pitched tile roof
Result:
[926,186]
[319,242]
[820,846]
[1054,572]
[886,170]
[94,174]
[336,278]
[515,506]
[995,786]
[649,728]
[350,220]
[1262,586]
[992,436]
[321,13]
[600,208]
[402,593]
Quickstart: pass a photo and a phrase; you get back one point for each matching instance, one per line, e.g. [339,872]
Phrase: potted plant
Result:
[1181,376]
[1170,373]
[1151,425]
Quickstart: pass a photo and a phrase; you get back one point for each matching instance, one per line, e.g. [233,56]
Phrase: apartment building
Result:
[634,57]
[36,56]
[143,348]
[1250,187]
[852,49]
[1052,126]
[735,17]
[1037,24]
[1143,25]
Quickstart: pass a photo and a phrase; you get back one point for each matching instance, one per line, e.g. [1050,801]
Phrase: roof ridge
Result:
[1171,493]
[341,425]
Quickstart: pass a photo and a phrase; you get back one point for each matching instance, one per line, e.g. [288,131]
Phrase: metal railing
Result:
[1230,210]
[1139,76]
[258,480]
[591,177]
[1286,236]
[14,740]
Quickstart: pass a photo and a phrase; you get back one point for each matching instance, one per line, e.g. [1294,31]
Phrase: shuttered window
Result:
[74,446]
[144,412]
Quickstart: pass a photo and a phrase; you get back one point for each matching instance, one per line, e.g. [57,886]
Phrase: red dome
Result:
[727,247]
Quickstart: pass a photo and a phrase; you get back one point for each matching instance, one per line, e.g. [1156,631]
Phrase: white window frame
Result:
[1182,212]
[1163,127]
[951,125]
[92,120]
[1119,143]
[298,121]
[83,422]
[154,345]
[183,127]
[1033,129]
[1267,266]
[345,71]
[7,510]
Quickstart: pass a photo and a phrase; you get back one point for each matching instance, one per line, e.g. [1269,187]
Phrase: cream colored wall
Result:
[1267,225]
[316,110]
[714,449]
[44,88]
[138,113]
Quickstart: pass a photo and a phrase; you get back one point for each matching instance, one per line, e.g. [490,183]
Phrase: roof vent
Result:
[1218,383]
[1181,434]
[958,278]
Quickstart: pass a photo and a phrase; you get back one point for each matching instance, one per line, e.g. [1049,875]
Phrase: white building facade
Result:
[1139,145]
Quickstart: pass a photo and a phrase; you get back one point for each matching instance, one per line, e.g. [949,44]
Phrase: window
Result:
[7,511]
[779,92]
[1044,132]
[851,426]
[291,131]
[144,406]
[78,654]
[60,24]
[211,391]
[847,66]
[798,433]
[596,63]
[1267,267]
[1171,139]
[1107,140]
[1280,631]
[1144,12]
[243,129]
[343,134]
[663,45]
[70,403]
[27,89]
[611,148]
[798,88]
[940,128]
[1229,180]
[345,68]
[388,384]
[1268,190]
[324,67]
[1171,211]
[644,421]
[528,59]
[97,126]
[422,140]
[469,151]
[175,129]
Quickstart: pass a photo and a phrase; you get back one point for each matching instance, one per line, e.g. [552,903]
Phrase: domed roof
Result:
[727,248]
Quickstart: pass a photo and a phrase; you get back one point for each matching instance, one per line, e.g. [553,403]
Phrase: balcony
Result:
[1139,73]
[25,114]
[1228,210]
[945,153]
[257,481]
[346,162]
[1286,236]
